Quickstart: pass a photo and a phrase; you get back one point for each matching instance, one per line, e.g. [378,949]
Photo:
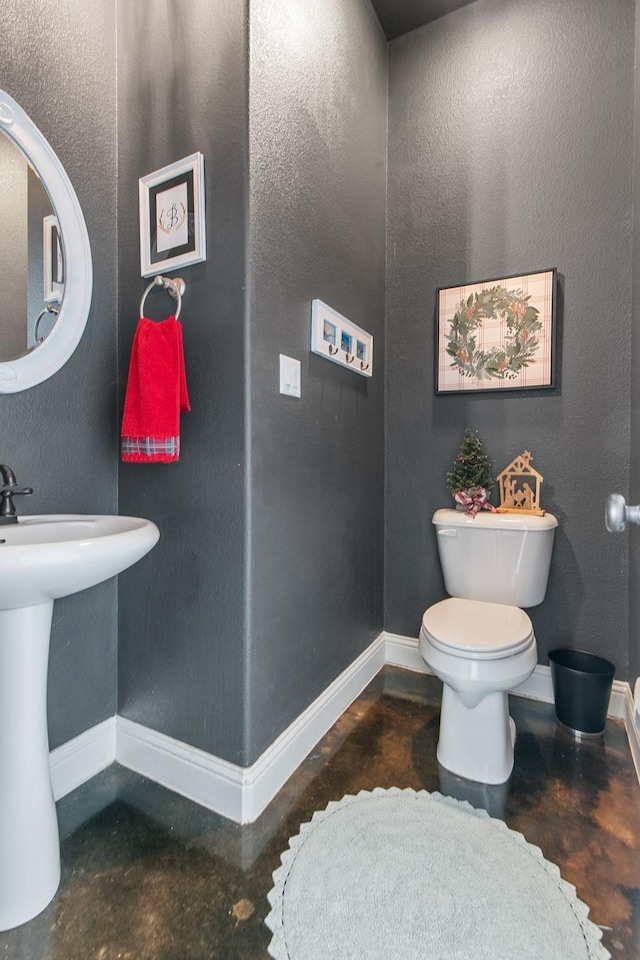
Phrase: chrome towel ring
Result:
[49,310]
[175,288]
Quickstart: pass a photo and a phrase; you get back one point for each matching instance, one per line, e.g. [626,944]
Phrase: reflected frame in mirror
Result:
[52,260]
[54,351]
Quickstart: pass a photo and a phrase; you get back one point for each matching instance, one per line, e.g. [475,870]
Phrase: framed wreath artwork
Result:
[497,334]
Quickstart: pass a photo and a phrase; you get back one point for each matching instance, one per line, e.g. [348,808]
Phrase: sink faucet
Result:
[8,490]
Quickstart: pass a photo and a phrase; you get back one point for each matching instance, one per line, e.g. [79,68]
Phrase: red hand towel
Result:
[156,393]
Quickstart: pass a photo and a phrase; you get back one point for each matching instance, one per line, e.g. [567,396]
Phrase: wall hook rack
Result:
[340,340]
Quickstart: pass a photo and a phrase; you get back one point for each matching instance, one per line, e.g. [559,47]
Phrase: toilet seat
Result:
[475,630]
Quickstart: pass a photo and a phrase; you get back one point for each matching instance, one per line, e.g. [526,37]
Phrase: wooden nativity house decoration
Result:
[519,486]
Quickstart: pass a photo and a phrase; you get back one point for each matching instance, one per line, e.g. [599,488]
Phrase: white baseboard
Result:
[403,652]
[631,726]
[77,760]
[242,793]
[274,767]
[208,780]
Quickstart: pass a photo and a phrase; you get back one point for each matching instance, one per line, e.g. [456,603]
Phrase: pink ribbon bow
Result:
[478,501]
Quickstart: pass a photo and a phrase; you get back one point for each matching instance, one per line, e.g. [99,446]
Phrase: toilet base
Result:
[476,742]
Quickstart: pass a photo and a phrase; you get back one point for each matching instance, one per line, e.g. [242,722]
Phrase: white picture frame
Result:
[52,261]
[172,216]
[338,339]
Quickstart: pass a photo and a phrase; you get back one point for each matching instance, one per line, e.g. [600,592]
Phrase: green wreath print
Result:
[520,343]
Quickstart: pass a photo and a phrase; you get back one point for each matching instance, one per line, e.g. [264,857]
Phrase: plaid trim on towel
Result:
[148,449]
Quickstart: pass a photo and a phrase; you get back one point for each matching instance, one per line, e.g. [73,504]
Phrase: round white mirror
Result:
[49,277]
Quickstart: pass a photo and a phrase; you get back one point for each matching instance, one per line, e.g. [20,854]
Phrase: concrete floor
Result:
[147,875]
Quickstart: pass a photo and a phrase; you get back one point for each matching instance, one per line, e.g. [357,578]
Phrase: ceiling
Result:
[401,16]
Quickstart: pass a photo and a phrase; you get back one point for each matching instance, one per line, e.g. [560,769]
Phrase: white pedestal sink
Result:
[42,558]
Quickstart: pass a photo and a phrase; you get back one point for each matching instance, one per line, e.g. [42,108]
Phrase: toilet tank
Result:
[497,557]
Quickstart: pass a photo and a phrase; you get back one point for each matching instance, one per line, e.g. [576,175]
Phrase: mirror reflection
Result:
[31,255]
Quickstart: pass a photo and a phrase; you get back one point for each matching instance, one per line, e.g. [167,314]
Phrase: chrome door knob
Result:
[617,514]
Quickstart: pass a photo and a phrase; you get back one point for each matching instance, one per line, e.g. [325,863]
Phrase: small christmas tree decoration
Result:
[469,480]
[516,493]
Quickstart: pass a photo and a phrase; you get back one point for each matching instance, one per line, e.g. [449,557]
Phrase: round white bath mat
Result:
[418,876]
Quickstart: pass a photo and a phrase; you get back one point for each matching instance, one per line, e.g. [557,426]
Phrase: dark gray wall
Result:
[182,87]
[317,153]
[401,16]
[633,490]
[257,597]
[60,436]
[510,149]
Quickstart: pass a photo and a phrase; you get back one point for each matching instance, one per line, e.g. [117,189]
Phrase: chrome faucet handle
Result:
[617,514]
[8,491]
[7,506]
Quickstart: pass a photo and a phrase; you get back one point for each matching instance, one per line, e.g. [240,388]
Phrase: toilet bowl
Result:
[480,651]
[480,642]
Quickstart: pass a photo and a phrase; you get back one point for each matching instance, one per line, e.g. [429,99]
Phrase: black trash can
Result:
[582,685]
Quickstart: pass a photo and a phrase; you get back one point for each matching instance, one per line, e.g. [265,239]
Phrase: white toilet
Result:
[479,642]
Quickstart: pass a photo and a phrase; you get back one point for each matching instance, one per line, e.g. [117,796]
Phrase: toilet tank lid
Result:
[495,521]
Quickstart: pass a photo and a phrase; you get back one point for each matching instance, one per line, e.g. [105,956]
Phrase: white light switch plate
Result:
[289,376]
